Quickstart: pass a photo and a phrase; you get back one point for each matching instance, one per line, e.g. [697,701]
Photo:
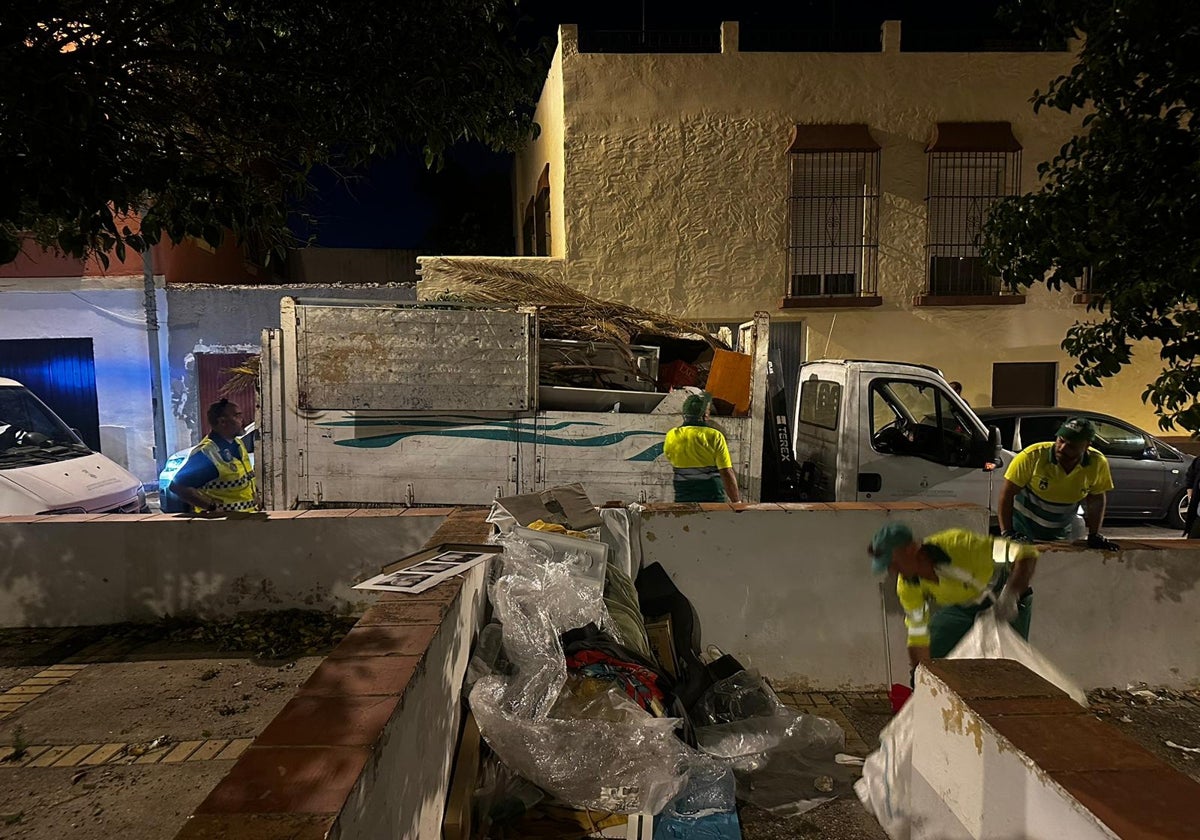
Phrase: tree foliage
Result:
[212,113]
[1121,200]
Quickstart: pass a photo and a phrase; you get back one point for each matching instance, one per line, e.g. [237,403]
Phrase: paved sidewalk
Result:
[861,714]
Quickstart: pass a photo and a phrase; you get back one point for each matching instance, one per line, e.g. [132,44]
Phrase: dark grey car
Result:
[1148,474]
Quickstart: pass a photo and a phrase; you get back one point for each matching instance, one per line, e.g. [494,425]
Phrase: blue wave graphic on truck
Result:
[513,431]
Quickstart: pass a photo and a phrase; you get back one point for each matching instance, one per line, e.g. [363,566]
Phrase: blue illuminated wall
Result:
[62,373]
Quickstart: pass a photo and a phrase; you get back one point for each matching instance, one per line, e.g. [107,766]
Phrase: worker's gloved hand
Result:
[1101,542]
[1007,605]
[1016,537]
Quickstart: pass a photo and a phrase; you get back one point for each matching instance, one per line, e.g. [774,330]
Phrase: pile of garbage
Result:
[584,710]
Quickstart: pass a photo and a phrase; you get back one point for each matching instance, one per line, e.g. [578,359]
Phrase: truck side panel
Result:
[357,357]
[405,458]
[619,456]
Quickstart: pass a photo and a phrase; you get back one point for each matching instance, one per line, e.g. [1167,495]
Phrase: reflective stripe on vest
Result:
[233,488]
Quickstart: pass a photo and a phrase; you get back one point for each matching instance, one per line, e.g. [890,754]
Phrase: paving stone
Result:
[102,755]
[50,756]
[76,755]
[208,750]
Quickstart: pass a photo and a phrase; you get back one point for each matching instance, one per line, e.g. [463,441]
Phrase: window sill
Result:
[831,302]
[968,300]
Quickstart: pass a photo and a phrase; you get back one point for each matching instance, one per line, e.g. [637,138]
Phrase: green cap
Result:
[696,404]
[886,540]
[1077,429]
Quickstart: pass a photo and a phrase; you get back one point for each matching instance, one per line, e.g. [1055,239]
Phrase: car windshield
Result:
[30,433]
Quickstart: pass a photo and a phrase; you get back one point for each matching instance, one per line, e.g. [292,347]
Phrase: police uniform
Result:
[221,469]
[1045,506]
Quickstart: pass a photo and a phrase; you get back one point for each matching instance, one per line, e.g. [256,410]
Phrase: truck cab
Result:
[876,431]
[46,468]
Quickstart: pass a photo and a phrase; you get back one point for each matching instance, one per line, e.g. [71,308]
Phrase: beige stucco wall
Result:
[546,148]
[676,170]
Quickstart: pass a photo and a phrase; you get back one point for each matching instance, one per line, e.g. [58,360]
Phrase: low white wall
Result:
[968,781]
[790,592]
[402,791]
[58,572]
[1109,619]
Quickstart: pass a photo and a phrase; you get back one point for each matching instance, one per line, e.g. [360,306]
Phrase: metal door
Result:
[62,373]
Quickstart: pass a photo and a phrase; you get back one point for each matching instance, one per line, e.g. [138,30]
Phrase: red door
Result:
[212,369]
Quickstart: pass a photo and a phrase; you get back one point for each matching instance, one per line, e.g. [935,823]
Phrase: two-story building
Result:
[841,191]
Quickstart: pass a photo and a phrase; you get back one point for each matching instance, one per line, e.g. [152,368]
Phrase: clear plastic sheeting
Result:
[604,752]
[784,762]
[536,599]
[601,765]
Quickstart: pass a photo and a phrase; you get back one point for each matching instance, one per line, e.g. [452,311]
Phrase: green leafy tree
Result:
[212,113]
[1120,201]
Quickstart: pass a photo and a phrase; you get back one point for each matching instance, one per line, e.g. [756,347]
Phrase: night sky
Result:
[397,203]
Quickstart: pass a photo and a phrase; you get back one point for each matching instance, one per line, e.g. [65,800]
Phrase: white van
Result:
[46,468]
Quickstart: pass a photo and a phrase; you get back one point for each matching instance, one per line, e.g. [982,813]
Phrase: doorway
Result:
[1024,384]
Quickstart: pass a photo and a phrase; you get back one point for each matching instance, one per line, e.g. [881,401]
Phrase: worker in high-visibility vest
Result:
[947,579]
[700,456]
[218,475]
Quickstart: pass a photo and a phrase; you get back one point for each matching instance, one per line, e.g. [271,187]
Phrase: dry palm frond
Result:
[242,377]
[563,312]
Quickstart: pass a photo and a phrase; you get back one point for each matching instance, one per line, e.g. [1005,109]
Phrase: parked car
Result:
[168,502]
[45,468]
[1148,473]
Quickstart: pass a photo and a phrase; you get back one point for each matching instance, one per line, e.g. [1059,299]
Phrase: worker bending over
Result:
[946,580]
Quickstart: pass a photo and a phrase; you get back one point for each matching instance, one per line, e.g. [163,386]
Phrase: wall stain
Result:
[958,720]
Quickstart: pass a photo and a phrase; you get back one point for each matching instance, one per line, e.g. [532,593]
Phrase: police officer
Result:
[218,476]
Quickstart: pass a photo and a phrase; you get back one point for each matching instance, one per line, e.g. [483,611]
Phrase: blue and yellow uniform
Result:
[698,453]
[938,613]
[221,469]
[1045,506]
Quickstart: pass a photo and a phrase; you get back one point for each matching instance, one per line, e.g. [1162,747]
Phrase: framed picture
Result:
[425,569]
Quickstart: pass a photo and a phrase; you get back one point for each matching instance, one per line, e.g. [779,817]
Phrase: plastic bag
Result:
[884,787]
[705,810]
[743,695]
[609,755]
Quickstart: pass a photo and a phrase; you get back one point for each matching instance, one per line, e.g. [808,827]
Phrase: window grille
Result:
[963,187]
[833,208]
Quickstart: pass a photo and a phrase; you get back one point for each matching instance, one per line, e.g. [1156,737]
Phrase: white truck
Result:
[888,431]
[46,469]
[374,404]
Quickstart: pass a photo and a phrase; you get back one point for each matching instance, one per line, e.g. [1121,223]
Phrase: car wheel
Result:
[1177,512]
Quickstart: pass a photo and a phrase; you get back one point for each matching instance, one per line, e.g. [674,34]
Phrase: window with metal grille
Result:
[833,212]
[963,187]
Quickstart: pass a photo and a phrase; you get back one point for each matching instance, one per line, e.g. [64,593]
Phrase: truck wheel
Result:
[1177,512]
